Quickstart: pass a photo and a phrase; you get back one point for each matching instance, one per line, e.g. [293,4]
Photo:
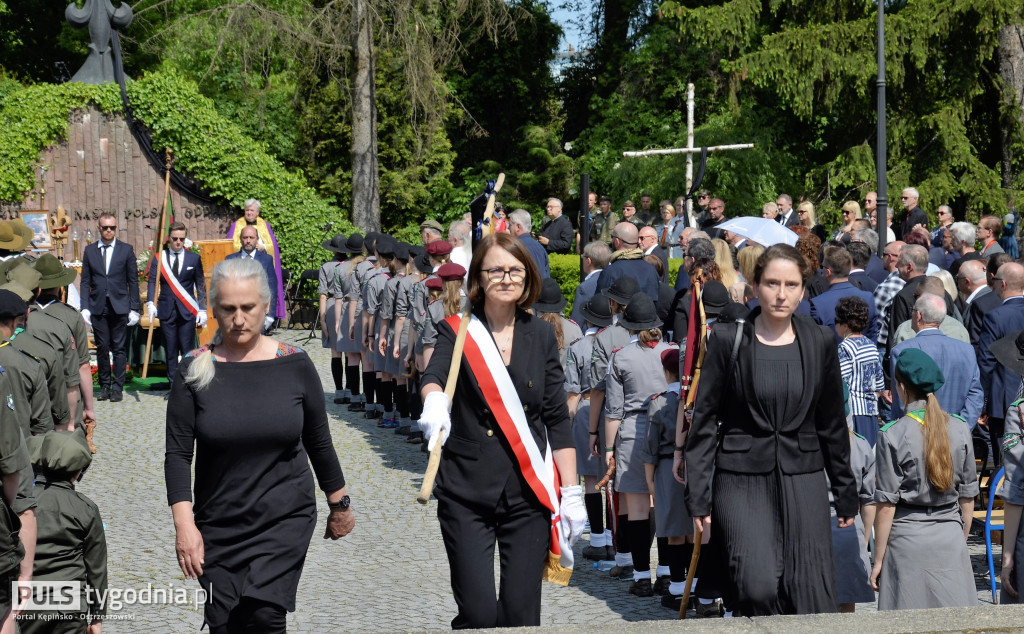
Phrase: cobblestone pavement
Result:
[390,574]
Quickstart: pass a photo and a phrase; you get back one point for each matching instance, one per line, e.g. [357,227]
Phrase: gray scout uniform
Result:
[373,296]
[50,361]
[349,286]
[926,562]
[28,382]
[605,341]
[570,332]
[418,310]
[435,315]
[634,374]
[849,549]
[1011,489]
[671,518]
[403,306]
[577,381]
[387,311]
[328,286]
[364,270]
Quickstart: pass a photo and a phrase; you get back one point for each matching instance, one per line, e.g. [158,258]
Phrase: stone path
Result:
[390,574]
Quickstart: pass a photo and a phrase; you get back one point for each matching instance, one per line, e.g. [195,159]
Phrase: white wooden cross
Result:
[689,151]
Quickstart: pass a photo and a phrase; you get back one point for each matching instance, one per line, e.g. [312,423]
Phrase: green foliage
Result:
[216,151]
[565,269]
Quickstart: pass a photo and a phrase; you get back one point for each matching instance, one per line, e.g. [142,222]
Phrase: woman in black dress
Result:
[251,408]
[510,393]
[780,406]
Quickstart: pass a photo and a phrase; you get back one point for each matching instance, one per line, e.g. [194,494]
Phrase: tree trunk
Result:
[365,172]
[1011,69]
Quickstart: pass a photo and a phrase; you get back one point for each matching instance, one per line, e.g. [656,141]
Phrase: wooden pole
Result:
[156,262]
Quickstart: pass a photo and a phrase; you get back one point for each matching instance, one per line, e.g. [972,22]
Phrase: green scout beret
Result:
[918,370]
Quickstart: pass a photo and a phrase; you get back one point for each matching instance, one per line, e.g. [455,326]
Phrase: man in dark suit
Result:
[1000,384]
[110,302]
[837,264]
[595,258]
[787,217]
[557,232]
[249,239]
[520,223]
[913,216]
[979,299]
[181,307]
[649,243]
[627,261]
[860,256]
[714,216]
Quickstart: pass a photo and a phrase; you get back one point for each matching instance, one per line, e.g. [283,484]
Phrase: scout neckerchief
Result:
[537,467]
[172,281]
[917,415]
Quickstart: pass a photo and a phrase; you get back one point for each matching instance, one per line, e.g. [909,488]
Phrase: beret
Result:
[919,371]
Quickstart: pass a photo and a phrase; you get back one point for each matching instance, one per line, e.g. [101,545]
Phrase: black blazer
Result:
[816,438]
[477,461]
[120,286]
[190,275]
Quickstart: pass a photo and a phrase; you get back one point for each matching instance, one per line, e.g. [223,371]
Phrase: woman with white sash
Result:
[508,467]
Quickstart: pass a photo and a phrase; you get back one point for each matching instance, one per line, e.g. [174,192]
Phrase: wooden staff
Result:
[449,389]
[697,536]
[156,263]
[487,226]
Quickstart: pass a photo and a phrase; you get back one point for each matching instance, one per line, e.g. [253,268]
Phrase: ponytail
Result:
[938,460]
[200,372]
[555,319]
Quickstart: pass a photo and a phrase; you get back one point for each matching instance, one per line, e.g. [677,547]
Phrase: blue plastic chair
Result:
[991,521]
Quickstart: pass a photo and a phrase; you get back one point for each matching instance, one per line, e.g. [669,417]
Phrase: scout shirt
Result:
[577,364]
[31,399]
[73,318]
[56,333]
[605,342]
[570,332]
[13,459]
[53,369]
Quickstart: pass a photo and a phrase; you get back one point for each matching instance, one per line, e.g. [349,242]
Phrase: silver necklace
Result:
[508,340]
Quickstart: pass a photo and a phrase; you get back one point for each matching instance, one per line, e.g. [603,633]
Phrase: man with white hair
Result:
[267,243]
[786,216]
[961,240]
[462,250]
[520,223]
[914,216]
[961,395]
[557,232]
[972,282]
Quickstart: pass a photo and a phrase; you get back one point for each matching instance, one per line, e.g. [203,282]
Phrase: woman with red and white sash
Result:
[508,468]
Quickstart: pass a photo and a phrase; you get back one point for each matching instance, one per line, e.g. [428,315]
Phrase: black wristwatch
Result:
[340,505]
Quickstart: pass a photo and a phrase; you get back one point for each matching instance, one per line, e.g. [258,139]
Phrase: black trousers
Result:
[110,331]
[522,529]
[179,338]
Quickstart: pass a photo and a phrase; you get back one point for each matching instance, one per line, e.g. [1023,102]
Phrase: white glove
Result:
[573,513]
[268,321]
[201,319]
[151,309]
[133,318]
[87,316]
[435,418]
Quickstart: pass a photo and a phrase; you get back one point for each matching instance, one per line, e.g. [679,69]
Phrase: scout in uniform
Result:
[577,387]
[395,343]
[72,545]
[549,307]
[364,270]
[373,293]
[634,374]
[398,267]
[330,309]
[925,488]
[401,347]
[438,254]
[351,326]
[617,295]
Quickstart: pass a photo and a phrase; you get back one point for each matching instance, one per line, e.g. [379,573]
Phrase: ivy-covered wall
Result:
[208,147]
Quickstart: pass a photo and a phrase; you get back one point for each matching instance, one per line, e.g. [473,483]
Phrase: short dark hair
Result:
[700,249]
[515,248]
[860,253]
[837,259]
[853,312]
[604,199]
[995,261]
[782,252]
[177,226]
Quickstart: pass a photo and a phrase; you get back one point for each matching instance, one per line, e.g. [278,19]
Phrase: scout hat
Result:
[551,299]
[18,290]
[11,239]
[451,271]
[919,371]
[432,224]
[11,305]
[715,297]
[439,247]
[422,262]
[354,244]
[433,283]
[1009,351]
[402,252]
[640,313]
[597,312]
[336,244]
[22,279]
[59,451]
[386,247]
[23,230]
[622,290]
[670,360]
[54,274]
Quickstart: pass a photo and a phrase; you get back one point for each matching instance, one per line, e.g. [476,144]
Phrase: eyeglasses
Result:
[108,227]
[515,275]
[891,255]
[173,239]
[997,279]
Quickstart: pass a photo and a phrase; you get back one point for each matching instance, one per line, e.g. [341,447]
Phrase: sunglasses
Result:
[176,239]
[108,227]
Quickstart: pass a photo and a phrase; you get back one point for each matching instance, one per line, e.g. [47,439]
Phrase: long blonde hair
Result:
[201,371]
[938,461]
[723,257]
[451,296]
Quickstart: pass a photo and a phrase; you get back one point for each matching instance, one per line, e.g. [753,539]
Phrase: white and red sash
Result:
[537,467]
[172,282]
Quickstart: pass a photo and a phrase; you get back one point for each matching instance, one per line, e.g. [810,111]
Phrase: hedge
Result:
[565,269]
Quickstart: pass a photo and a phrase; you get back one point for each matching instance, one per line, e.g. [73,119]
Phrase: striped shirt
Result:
[884,294]
[862,372]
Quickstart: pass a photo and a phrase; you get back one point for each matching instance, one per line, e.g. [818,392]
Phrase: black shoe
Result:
[594,553]
[641,588]
[373,413]
[116,396]
[342,400]
[357,407]
[710,610]
[403,430]
[167,396]
[672,601]
[661,585]
[104,394]
[621,572]
[415,437]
